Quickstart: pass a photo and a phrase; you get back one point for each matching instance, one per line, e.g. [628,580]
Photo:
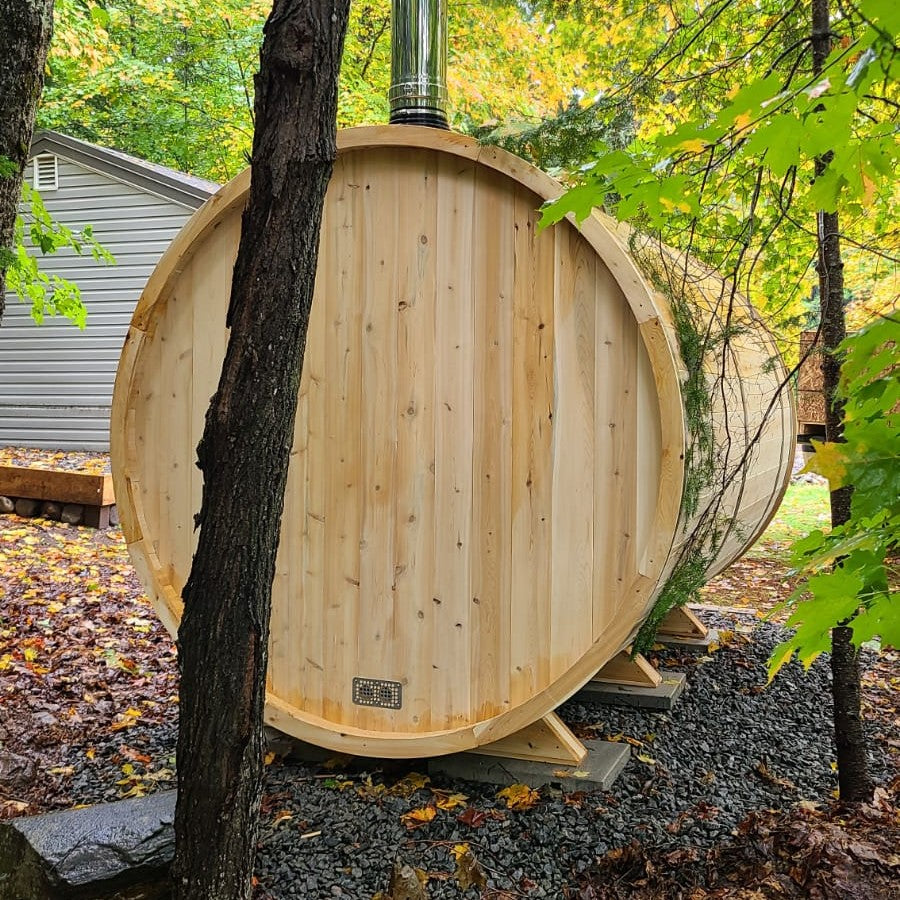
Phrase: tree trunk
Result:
[25,29]
[852,761]
[223,638]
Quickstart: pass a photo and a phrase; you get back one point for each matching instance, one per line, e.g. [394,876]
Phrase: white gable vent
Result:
[46,172]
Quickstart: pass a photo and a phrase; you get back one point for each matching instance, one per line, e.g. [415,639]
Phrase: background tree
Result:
[244,453]
[751,184]
[25,30]
[852,758]
[123,72]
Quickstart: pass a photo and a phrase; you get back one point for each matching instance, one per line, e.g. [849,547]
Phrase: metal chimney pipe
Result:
[418,93]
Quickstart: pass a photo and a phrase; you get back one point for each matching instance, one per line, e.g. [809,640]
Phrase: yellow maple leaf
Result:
[460,850]
[129,717]
[828,461]
[519,796]
[416,818]
[446,800]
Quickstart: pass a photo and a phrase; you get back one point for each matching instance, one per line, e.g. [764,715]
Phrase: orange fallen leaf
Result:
[416,818]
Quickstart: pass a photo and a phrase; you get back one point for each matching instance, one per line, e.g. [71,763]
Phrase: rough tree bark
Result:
[853,770]
[244,453]
[25,30]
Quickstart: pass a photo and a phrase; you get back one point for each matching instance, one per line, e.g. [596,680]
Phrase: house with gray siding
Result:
[56,381]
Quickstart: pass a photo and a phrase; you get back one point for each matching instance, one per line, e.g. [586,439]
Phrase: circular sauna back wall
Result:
[486,474]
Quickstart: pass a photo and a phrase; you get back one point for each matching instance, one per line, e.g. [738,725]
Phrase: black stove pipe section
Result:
[418,93]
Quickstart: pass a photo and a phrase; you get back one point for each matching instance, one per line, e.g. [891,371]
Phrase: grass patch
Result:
[804,509]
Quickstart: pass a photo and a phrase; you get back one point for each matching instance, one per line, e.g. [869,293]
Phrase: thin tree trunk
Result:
[25,30]
[852,762]
[223,638]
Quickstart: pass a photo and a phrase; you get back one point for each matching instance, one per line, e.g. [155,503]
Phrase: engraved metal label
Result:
[377,692]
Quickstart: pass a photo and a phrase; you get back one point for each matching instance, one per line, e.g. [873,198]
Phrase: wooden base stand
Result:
[682,623]
[548,740]
[622,669]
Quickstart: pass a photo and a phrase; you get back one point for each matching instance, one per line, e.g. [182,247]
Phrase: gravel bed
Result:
[729,746]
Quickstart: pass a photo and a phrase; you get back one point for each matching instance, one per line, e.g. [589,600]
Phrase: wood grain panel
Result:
[615,497]
[454,390]
[490,573]
[571,606]
[532,451]
[413,518]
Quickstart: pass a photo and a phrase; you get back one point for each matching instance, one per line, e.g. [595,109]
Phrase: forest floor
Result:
[88,702]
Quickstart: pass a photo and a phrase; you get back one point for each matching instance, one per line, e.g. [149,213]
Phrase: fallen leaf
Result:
[416,818]
[519,797]
[474,818]
[448,801]
[468,870]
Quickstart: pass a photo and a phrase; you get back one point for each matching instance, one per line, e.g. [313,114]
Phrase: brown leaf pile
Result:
[806,852]
[74,461]
[84,665]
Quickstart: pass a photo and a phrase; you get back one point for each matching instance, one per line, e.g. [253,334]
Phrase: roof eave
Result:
[156,180]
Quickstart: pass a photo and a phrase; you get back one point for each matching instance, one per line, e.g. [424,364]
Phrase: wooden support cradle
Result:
[681,622]
[548,740]
[622,669]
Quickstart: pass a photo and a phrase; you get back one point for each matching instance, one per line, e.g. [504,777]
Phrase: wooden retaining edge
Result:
[55,484]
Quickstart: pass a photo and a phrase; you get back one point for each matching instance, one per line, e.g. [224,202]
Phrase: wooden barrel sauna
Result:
[485,486]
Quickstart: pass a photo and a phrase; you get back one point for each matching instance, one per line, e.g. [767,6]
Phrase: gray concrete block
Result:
[597,771]
[663,696]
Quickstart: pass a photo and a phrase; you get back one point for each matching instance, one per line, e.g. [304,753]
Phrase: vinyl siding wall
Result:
[56,382]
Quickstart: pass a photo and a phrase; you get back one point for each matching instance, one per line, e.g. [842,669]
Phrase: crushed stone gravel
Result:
[730,745]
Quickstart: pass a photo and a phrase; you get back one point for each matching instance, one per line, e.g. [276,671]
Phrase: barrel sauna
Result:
[485,485]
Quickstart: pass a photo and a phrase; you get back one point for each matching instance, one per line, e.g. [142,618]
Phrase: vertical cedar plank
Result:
[176,448]
[453,428]
[312,659]
[493,258]
[413,514]
[616,340]
[342,321]
[148,428]
[573,452]
[648,450]
[382,188]
[531,489]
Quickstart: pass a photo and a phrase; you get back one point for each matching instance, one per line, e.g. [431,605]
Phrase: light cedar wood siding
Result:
[56,382]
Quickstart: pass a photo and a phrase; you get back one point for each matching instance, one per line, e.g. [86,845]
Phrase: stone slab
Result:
[682,642]
[120,850]
[663,696]
[597,771]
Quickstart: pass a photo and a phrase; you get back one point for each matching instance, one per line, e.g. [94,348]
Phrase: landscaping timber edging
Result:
[57,484]
[71,488]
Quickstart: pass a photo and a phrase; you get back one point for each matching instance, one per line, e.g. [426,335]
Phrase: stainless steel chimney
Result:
[418,93]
